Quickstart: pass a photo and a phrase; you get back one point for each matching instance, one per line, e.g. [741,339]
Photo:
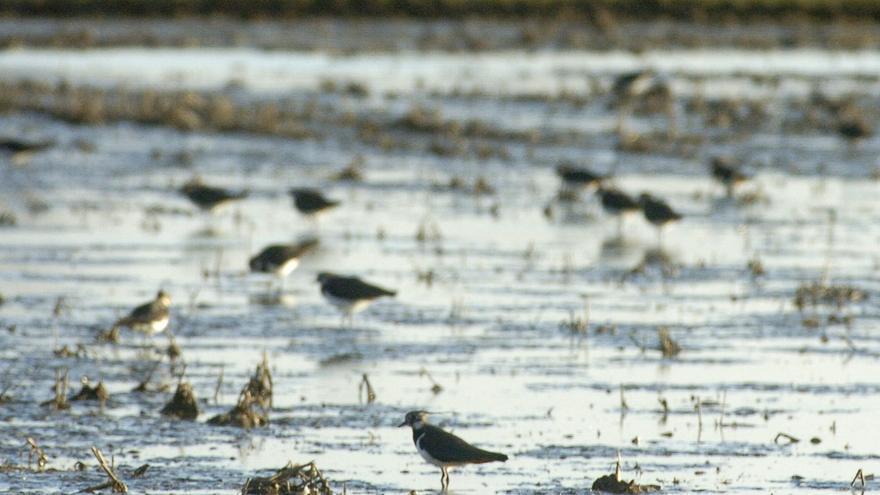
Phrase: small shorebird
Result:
[726,173]
[281,259]
[16,145]
[350,294]
[149,318]
[574,177]
[618,203]
[443,449]
[658,213]
[209,198]
[311,202]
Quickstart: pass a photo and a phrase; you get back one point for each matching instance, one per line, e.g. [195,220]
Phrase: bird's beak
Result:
[401,425]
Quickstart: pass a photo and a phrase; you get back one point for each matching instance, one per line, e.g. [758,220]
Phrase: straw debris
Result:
[254,401]
[290,480]
[183,405]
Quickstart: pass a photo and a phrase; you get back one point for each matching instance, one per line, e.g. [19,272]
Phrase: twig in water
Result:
[435,387]
[218,386]
[785,436]
[36,453]
[366,385]
[114,483]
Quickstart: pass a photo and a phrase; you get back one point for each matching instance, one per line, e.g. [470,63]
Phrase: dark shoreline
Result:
[593,11]
[353,35]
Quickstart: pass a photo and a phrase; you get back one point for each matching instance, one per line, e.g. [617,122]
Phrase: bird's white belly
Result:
[287,268]
[346,305]
[155,326]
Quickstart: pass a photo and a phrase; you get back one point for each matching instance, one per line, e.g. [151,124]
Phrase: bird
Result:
[311,202]
[443,449]
[728,174]
[281,259]
[350,294]
[16,145]
[574,176]
[209,198]
[618,203]
[631,84]
[658,213]
[853,127]
[149,318]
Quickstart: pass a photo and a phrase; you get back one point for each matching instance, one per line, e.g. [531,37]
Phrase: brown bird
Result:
[209,198]
[150,318]
[726,173]
[443,449]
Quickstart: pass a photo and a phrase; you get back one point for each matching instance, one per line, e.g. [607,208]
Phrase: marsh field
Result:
[736,353]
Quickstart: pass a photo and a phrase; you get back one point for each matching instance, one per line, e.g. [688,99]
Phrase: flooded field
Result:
[522,319]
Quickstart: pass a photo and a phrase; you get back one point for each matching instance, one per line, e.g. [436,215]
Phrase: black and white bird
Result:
[575,177]
[617,203]
[281,259]
[209,198]
[443,449]
[311,202]
[727,173]
[350,294]
[149,318]
[658,213]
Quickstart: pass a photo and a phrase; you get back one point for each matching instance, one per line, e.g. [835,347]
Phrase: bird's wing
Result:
[446,447]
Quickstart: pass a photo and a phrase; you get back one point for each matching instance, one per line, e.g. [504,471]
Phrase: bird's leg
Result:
[729,189]
[444,478]
[620,226]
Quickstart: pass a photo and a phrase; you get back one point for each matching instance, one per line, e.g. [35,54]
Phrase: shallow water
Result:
[488,328]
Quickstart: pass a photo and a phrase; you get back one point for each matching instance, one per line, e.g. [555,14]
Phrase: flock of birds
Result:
[350,294]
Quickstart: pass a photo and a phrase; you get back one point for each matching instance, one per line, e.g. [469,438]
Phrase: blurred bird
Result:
[350,294]
[209,198]
[726,173]
[149,318]
[617,203]
[281,259]
[311,202]
[658,213]
[574,177]
[443,449]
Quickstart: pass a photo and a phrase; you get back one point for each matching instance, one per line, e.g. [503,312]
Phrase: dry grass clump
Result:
[254,401]
[292,479]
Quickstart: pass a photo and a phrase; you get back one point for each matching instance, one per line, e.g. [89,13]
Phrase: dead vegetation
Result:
[254,401]
[614,483]
[113,482]
[814,294]
[183,404]
[292,479]
[59,402]
[97,392]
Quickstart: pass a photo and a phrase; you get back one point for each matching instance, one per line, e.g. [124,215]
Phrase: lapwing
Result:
[574,177]
[350,294]
[15,145]
[658,213]
[617,203]
[209,198]
[311,202]
[281,259]
[727,174]
[149,318]
[443,449]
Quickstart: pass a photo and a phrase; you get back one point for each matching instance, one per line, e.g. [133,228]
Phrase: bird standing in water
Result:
[443,449]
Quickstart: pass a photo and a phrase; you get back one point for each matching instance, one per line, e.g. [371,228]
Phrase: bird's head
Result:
[325,276]
[414,419]
[164,298]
